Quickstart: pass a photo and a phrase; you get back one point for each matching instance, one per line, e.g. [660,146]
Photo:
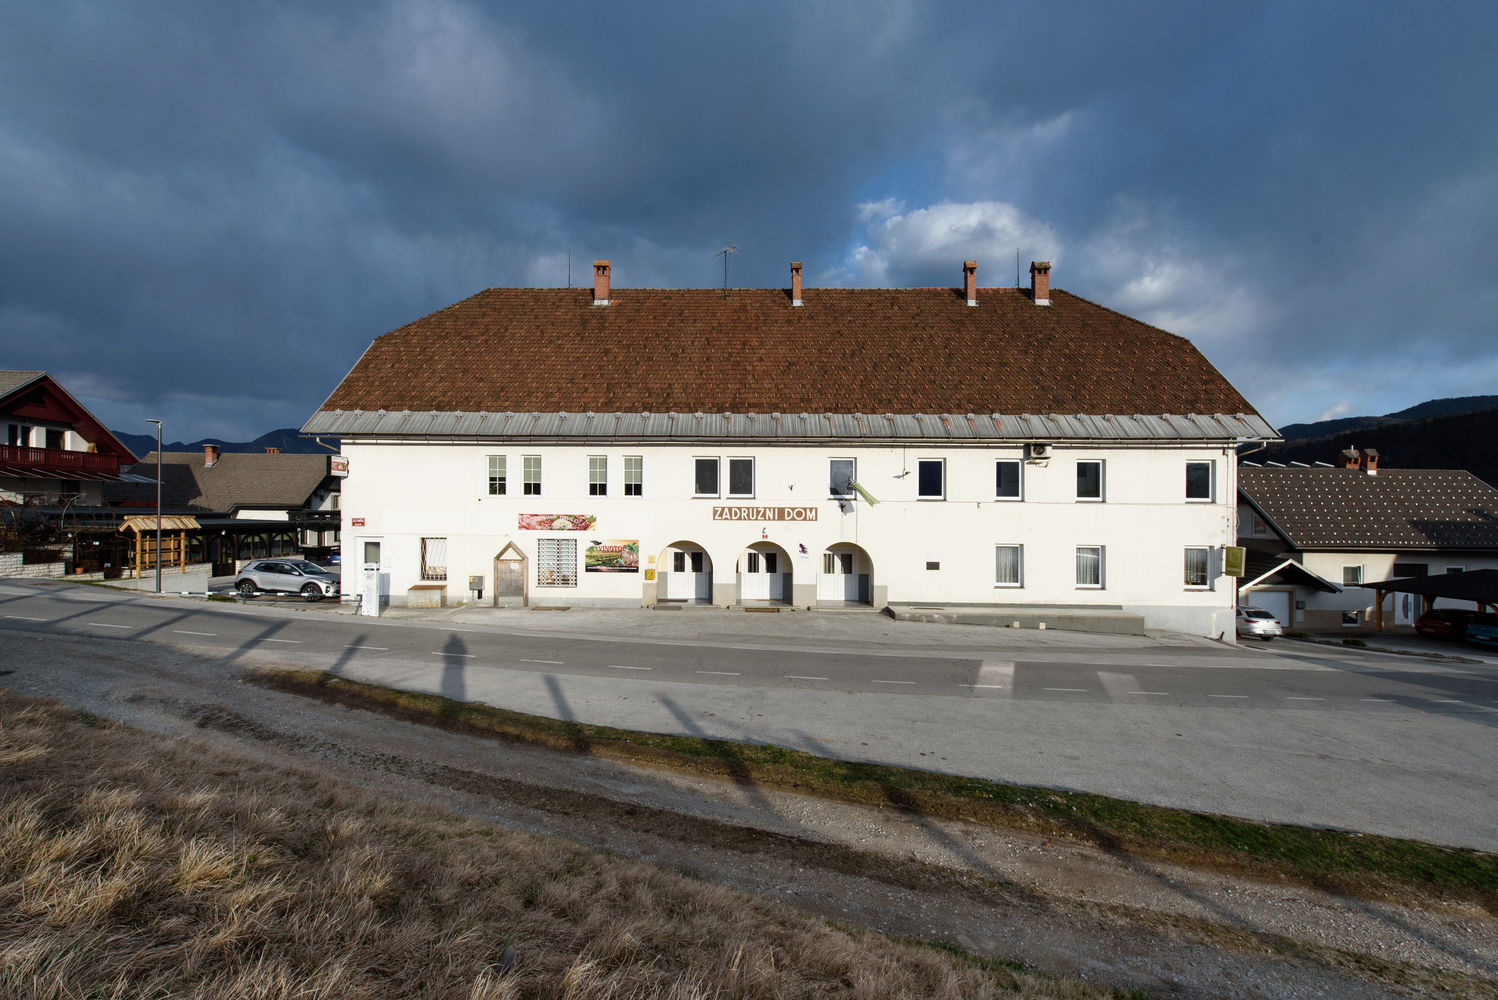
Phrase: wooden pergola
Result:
[174,546]
[1479,586]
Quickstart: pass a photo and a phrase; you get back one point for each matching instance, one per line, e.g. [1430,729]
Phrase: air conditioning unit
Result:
[1039,451]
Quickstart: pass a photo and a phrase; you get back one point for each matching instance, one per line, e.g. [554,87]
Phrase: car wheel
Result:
[311,592]
[246,587]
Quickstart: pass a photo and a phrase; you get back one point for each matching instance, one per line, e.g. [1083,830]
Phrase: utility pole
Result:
[158,502]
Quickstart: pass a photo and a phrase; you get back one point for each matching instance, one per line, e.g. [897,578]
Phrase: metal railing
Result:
[56,459]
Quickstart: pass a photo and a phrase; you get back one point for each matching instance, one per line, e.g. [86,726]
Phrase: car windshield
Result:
[307,567]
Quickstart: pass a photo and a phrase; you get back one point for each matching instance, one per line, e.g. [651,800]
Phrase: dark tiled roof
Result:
[234,481]
[844,351]
[11,380]
[1395,509]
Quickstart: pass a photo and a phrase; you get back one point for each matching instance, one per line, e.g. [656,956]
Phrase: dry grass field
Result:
[133,865]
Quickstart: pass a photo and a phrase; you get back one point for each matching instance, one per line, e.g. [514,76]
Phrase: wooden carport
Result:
[1479,586]
[174,546]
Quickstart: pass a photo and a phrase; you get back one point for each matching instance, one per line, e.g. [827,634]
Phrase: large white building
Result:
[966,446]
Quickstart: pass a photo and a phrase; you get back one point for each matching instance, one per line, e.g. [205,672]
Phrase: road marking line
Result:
[107,625]
[1448,701]
[24,618]
[1227,696]
[615,666]
[1001,687]
[1165,693]
[796,677]
[892,682]
[297,641]
[1382,701]
[720,673]
[555,663]
[1292,697]
[383,649]
[185,632]
[1066,689]
[438,652]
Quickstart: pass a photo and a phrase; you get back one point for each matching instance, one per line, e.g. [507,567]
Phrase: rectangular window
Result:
[741,477]
[1089,480]
[531,471]
[634,475]
[55,440]
[1089,566]
[13,435]
[706,484]
[1197,562]
[1261,527]
[598,475]
[1199,481]
[556,562]
[1007,565]
[1411,569]
[1350,618]
[1352,576]
[1006,480]
[496,475]
[1456,569]
[829,563]
[434,559]
[843,476]
[931,479]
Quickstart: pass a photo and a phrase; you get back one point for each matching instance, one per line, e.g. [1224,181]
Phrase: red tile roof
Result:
[844,351]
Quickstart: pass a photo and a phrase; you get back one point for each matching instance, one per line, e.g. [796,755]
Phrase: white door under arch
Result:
[760,576]
[839,578]
[690,576]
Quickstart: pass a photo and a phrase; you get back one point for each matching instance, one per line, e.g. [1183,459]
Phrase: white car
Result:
[287,576]
[1256,623]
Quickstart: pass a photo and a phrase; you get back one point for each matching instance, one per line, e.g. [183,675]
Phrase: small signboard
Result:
[338,466]
[1232,560]
[357,522]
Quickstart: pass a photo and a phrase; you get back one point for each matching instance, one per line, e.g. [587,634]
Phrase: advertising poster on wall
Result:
[612,555]
[556,522]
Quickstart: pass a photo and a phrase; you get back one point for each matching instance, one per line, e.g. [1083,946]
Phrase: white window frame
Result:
[1206,551]
[1211,496]
[833,494]
[1020,469]
[500,464]
[1019,566]
[634,476]
[1102,480]
[1102,567]
[1357,618]
[561,551]
[752,475]
[1352,583]
[529,463]
[718,464]
[598,475]
[942,462]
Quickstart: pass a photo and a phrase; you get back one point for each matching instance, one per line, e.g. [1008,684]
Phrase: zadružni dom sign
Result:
[764,513]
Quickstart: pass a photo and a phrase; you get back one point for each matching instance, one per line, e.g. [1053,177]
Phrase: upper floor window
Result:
[931,479]
[741,477]
[598,475]
[1260,526]
[1089,480]
[634,475]
[705,483]
[57,439]
[1006,480]
[1199,481]
[531,475]
[843,473]
[496,475]
[1352,576]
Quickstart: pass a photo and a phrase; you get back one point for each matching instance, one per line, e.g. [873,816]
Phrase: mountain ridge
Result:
[287,439]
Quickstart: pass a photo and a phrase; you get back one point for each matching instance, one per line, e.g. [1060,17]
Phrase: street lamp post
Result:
[158,501]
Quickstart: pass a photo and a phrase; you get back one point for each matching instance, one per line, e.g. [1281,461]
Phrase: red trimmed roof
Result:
[844,351]
[37,396]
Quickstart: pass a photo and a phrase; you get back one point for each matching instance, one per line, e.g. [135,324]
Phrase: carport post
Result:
[1378,610]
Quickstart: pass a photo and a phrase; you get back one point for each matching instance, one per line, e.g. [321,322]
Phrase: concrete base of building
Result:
[1067,618]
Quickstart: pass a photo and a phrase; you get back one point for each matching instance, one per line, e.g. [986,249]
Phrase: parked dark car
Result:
[1483,630]
[1445,623]
[287,576]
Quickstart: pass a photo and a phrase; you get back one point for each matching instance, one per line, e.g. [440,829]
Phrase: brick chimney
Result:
[210,455]
[273,451]
[600,282]
[1370,461]
[1040,282]
[795,282]
[970,281]
[1349,459]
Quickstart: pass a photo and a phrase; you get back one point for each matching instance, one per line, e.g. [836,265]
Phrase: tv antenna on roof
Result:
[730,249]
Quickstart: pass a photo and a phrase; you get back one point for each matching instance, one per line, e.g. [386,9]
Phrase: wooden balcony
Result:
[55,463]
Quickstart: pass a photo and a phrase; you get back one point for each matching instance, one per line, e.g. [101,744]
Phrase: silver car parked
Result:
[287,576]
[1256,623]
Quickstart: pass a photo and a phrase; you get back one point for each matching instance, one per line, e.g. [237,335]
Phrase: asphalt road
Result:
[1285,732]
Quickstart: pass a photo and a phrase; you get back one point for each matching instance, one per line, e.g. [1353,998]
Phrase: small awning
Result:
[1292,572]
[141,523]
[1477,585]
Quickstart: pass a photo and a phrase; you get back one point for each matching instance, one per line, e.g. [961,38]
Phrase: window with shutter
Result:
[556,562]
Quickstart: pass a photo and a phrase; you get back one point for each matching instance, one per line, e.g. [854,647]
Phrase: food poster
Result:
[556,522]
[612,555]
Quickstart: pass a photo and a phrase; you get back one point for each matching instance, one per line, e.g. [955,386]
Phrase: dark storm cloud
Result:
[209,210]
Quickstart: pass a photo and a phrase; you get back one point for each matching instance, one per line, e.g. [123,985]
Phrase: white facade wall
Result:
[406,491]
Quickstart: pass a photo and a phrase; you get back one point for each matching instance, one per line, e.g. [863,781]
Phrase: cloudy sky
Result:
[207,211]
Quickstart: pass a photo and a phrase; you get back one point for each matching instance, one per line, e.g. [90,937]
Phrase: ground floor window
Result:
[1089,566]
[1007,565]
[1350,618]
[556,562]
[1197,561]
[434,559]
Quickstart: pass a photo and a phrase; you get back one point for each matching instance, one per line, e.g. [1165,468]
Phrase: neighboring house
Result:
[1315,534]
[247,506]
[55,452]
[1025,447]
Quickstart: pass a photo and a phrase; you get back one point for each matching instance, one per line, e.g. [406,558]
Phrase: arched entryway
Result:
[846,575]
[764,575]
[510,578]
[684,573]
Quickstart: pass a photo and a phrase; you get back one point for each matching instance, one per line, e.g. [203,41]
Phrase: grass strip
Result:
[1357,864]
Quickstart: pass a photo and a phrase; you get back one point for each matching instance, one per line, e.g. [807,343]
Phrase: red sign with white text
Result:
[357,522]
